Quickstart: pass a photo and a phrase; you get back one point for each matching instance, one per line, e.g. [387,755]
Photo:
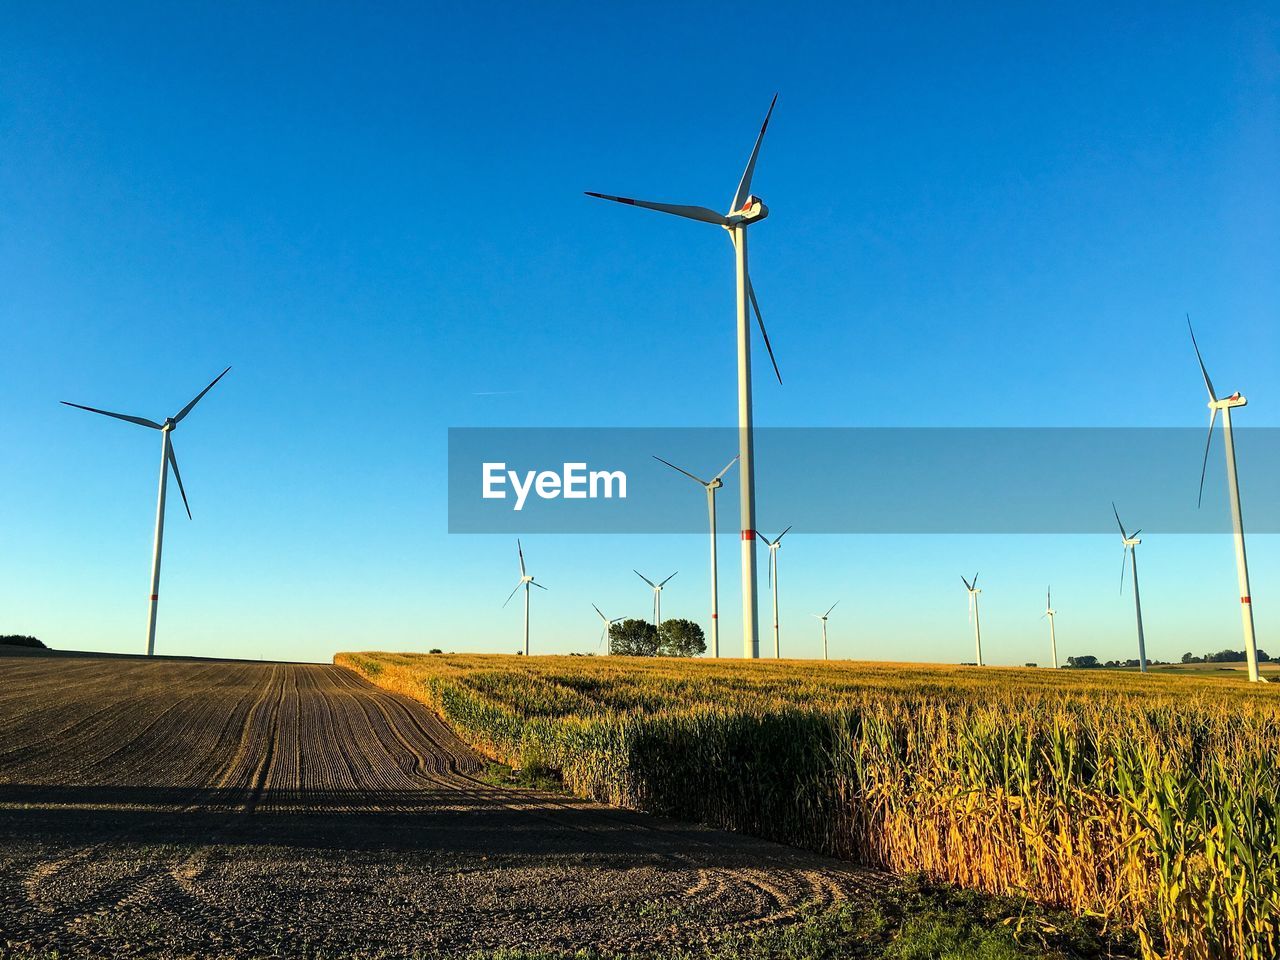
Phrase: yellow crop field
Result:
[1150,801]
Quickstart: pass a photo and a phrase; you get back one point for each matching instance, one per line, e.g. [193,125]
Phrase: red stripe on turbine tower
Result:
[748,534]
[1245,600]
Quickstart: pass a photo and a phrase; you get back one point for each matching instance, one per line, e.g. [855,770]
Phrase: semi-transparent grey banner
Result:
[859,480]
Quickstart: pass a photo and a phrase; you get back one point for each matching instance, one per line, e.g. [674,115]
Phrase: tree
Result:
[1190,657]
[1082,663]
[681,638]
[633,638]
[18,640]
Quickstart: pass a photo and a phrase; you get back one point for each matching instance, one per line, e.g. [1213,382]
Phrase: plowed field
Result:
[215,809]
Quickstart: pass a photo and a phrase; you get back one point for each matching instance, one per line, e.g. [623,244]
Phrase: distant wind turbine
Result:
[744,210]
[1050,613]
[823,618]
[774,546]
[711,486]
[973,613]
[1130,543]
[167,460]
[607,624]
[526,581]
[657,597]
[1233,490]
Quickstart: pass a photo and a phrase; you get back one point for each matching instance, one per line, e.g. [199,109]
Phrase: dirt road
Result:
[216,809]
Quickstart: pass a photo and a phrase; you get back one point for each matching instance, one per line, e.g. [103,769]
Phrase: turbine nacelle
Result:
[752,210]
[1226,403]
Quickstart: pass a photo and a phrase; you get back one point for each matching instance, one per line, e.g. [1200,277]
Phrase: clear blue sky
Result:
[989,217]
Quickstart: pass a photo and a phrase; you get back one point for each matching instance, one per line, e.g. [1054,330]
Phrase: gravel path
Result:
[183,808]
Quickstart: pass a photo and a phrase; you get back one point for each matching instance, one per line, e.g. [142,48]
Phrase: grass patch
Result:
[528,777]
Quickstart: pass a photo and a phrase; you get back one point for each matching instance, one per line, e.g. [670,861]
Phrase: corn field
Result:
[1148,801]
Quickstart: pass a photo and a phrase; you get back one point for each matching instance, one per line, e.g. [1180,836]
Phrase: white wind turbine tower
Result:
[711,486]
[604,633]
[973,613]
[1131,541]
[1050,613]
[823,618]
[526,581]
[744,210]
[167,460]
[657,597]
[774,546]
[1233,489]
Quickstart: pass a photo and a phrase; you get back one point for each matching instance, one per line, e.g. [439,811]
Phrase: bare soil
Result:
[171,808]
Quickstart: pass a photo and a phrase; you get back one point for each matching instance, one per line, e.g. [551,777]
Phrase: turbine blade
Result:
[968,586]
[1204,466]
[535,583]
[1208,384]
[773,558]
[744,185]
[782,534]
[141,421]
[829,609]
[1123,557]
[644,578]
[1118,523]
[664,582]
[685,472]
[597,610]
[173,462]
[1136,532]
[975,580]
[520,550]
[679,210]
[1048,599]
[751,291]
[187,409]
[726,468]
[512,594]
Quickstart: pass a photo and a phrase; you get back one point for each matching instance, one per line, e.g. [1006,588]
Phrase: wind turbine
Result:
[823,618]
[657,597]
[774,546]
[711,486]
[167,460]
[973,613]
[1233,488]
[607,624]
[744,210]
[1131,541]
[526,581]
[1050,613]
